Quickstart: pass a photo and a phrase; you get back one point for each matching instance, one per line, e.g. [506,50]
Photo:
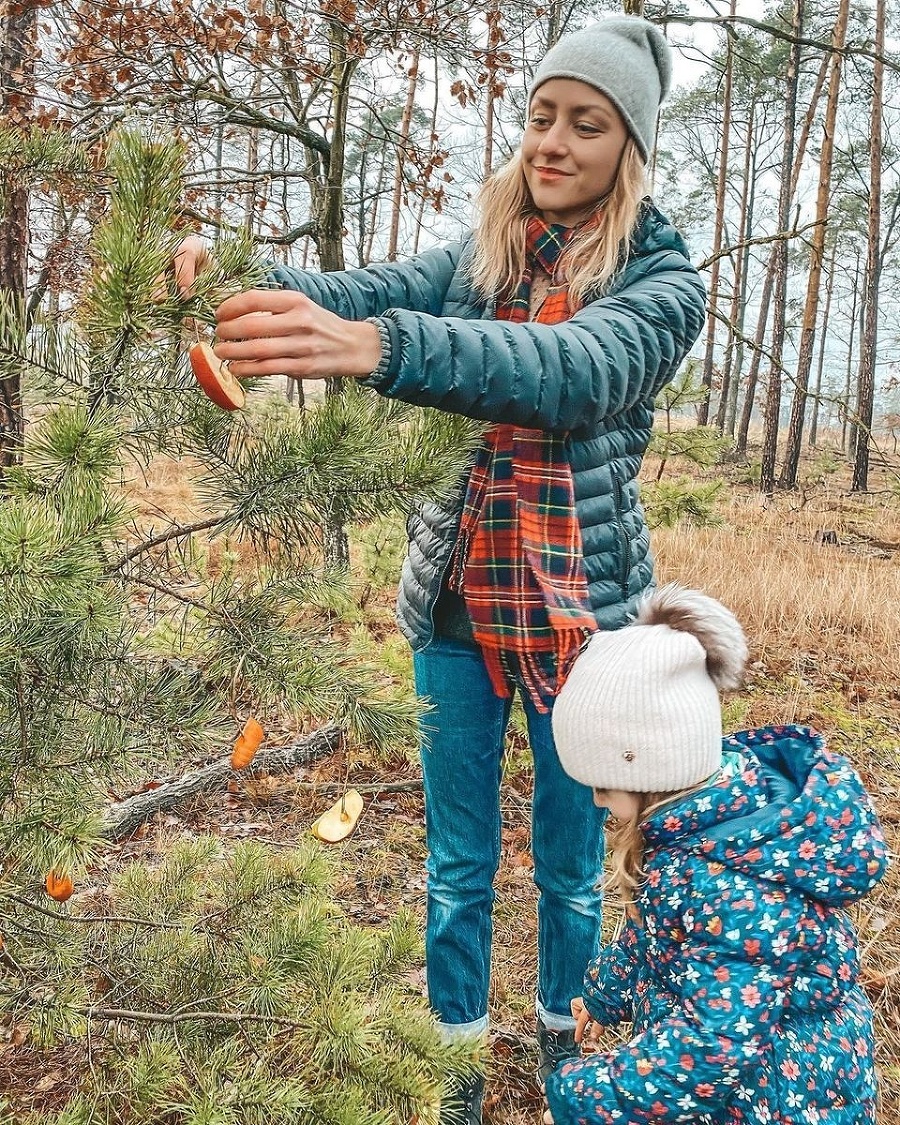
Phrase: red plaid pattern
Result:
[519,559]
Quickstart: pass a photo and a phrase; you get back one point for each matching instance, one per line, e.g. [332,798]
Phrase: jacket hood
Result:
[786,809]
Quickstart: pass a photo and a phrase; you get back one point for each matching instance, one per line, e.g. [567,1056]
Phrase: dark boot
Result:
[463,1106]
[554,1047]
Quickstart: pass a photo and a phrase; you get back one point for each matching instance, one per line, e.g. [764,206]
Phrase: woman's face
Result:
[571,149]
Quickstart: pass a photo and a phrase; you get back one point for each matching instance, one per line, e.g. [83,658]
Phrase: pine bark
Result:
[405,124]
[869,339]
[781,261]
[713,303]
[18,31]
[794,440]
[127,816]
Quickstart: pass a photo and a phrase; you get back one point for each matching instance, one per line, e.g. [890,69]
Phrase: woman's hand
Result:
[548,1118]
[282,332]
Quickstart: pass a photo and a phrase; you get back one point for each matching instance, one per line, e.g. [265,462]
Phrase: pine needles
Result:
[214,988]
[227,990]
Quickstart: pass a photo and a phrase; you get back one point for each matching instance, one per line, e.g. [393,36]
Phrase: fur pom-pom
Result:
[714,626]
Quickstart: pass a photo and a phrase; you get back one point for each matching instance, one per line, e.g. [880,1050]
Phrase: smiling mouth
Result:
[551,173]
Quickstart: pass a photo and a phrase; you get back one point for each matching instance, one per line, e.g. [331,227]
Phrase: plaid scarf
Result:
[518,561]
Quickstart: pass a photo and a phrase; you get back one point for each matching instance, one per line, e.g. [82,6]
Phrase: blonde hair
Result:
[626,845]
[505,205]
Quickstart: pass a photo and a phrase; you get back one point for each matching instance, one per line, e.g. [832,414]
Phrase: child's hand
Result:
[584,1025]
[548,1120]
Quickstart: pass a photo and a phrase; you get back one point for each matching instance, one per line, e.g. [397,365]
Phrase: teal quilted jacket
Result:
[593,377]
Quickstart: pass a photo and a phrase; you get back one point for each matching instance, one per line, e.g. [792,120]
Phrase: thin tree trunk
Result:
[817,254]
[773,394]
[712,318]
[728,396]
[869,339]
[330,229]
[769,280]
[734,390]
[826,317]
[405,123]
[489,129]
[848,433]
[435,105]
[376,205]
[252,164]
[18,31]
[495,38]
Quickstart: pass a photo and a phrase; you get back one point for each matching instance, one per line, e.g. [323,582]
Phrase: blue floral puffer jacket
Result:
[742,979]
[593,377]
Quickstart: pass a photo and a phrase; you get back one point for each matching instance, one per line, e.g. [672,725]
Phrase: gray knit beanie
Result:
[624,57]
[640,709]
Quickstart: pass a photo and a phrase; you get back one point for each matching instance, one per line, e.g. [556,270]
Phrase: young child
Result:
[737,963]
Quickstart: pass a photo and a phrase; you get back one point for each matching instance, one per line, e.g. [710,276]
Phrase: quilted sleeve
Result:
[615,352]
[419,284]
[608,988]
[732,979]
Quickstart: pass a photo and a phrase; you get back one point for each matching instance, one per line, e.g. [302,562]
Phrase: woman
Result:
[557,321]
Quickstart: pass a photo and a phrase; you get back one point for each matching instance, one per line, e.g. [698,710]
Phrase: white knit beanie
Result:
[640,709]
[624,57]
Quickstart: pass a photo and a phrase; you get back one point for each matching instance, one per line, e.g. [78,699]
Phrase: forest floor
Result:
[814,577]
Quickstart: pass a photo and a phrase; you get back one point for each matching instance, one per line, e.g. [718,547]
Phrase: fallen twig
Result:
[123,818]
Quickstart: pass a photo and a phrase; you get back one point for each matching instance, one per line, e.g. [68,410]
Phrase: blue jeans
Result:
[463,740]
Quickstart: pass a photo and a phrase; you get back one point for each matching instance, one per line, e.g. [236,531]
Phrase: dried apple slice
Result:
[215,378]
[339,821]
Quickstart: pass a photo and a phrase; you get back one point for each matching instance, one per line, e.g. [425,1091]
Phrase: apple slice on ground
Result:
[339,821]
[215,378]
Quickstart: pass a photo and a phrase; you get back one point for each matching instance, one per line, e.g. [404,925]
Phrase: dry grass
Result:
[794,594]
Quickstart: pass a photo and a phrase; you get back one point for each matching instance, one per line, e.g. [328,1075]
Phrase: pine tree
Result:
[217,987]
[672,501]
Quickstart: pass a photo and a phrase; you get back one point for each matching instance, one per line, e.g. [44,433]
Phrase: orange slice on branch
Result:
[214,377]
[58,886]
[248,742]
[339,821]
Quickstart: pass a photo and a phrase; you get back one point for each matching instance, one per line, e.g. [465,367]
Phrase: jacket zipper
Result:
[623,534]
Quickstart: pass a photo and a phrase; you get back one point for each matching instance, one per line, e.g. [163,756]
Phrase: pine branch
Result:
[177,532]
[309,228]
[92,919]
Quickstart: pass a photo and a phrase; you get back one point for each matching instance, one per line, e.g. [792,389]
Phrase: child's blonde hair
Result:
[505,205]
[626,845]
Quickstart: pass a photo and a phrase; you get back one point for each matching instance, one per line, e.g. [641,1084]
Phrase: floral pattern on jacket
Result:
[741,979]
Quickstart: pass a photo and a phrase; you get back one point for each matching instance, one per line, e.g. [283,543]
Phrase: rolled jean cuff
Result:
[451,1032]
[553,1021]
